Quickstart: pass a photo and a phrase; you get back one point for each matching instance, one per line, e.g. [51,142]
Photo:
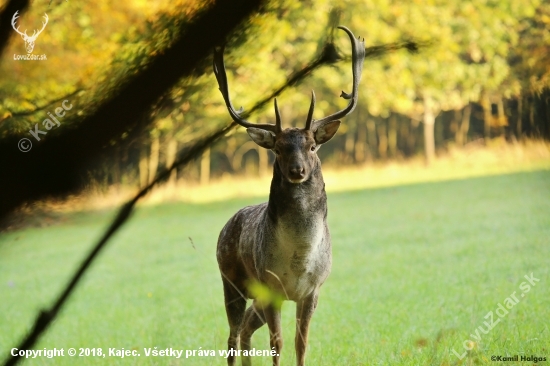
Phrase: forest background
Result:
[481,73]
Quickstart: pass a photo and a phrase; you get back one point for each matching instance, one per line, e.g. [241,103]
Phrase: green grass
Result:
[416,269]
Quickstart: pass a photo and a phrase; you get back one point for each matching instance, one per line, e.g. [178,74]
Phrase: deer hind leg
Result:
[253,320]
[273,318]
[235,305]
[304,312]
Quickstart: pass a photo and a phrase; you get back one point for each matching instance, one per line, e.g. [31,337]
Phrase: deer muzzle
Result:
[296,173]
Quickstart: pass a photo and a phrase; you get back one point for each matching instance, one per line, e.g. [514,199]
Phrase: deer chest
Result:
[297,261]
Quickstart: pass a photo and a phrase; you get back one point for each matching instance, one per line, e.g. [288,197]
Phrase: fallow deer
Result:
[284,243]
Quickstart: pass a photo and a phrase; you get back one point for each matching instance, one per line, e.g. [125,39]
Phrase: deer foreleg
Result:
[253,319]
[235,305]
[304,312]
[273,318]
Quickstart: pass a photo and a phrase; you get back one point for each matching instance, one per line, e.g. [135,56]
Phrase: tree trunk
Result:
[371,136]
[532,117]
[382,140]
[502,120]
[429,124]
[411,139]
[454,128]
[520,114]
[404,131]
[462,135]
[154,158]
[230,149]
[392,135]
[349,145]
[486,105]
[116,168]
[143,171]
[360,143]
[205,167]
[171,151]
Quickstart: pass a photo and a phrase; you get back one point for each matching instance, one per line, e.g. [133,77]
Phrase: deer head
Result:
[29,40]
[295,148]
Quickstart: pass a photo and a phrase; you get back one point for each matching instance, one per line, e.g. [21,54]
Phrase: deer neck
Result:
[299,209]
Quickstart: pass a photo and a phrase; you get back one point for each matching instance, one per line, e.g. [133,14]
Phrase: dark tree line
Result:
[366,138]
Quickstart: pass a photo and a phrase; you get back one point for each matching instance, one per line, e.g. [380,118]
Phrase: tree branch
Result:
[41,108]
[56,163]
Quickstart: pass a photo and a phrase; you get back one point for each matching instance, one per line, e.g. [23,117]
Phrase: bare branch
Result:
[45,106]
[35,174]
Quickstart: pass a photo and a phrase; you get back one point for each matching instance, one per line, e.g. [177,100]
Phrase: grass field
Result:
[416,270]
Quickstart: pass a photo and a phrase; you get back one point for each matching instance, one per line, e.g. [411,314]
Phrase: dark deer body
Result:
[283,244]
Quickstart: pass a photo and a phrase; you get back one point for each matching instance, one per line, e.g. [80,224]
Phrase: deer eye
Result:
[313,147]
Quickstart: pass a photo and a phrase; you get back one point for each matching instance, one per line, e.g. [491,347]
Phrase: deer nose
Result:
[297,172]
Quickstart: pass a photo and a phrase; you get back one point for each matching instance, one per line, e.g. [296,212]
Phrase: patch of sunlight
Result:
[474,160]
[457,164]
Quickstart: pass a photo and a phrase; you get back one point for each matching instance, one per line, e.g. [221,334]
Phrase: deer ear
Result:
[263,138]
[325,131]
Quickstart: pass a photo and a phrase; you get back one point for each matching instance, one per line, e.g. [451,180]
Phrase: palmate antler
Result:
[221,76]
[358,57]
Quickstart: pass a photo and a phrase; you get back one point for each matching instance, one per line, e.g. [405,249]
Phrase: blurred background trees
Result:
[484,75]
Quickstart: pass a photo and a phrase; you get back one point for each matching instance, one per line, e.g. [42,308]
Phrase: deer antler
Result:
[357,58]
[24,34]
[13,20]
[34,35]
[221,76]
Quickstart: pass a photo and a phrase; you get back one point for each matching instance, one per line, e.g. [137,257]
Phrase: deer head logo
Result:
[29,40]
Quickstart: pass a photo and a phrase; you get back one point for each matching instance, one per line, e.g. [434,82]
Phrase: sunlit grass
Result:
[416,269]
[475,160]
